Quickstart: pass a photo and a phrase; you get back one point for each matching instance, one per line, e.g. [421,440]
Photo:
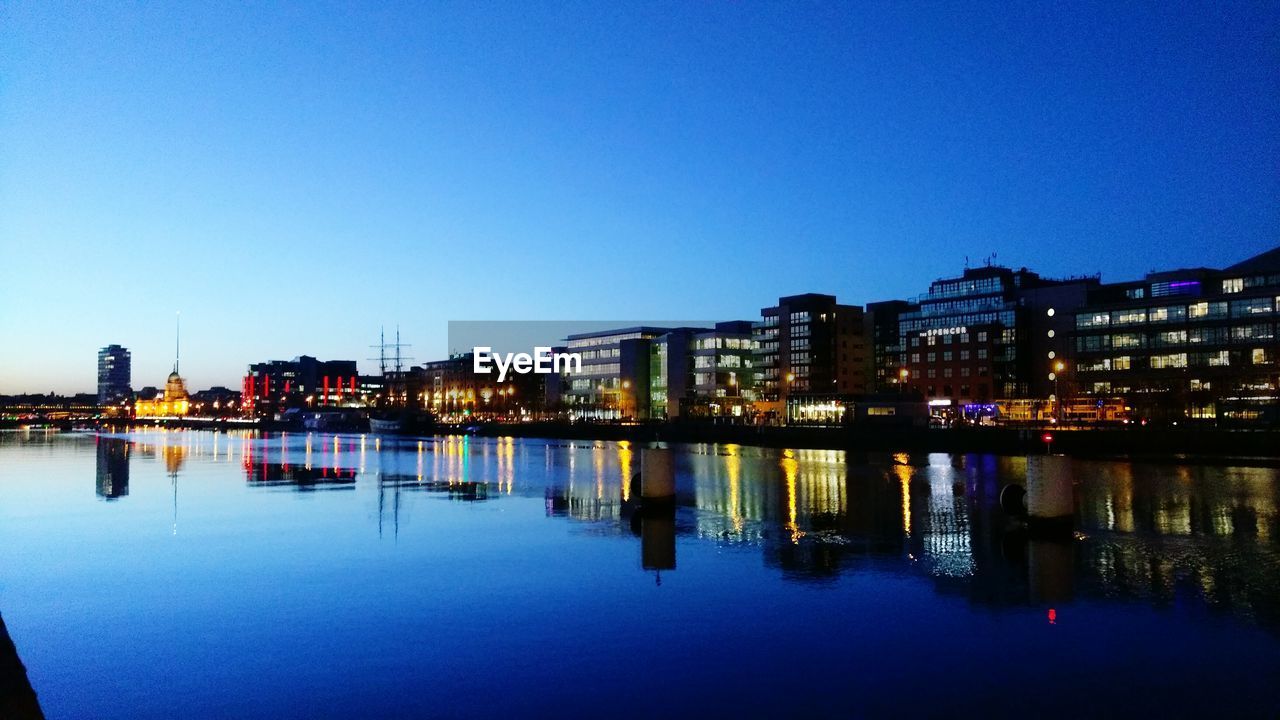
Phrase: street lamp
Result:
[1056,377]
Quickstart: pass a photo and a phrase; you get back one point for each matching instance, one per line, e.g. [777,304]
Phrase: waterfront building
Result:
[809,344]
[670,379]
[173,402]
[702,372]
[1196,344]
[275,385]
[989,335]
[892,409]
[115,375]
[452,390]
[615,376]
[723,372]
[888,347]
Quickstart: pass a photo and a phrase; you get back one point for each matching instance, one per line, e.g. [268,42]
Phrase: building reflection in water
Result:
[113,468]
[1146,531]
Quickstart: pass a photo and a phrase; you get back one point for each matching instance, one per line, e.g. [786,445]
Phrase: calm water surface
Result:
[194,575]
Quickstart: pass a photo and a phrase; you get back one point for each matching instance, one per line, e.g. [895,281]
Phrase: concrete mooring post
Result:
[657,477]
[1050,494]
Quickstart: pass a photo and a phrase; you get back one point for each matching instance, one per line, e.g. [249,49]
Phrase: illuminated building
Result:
[272,386]
[114,375]
[174,402]
[888,347]
[703,373]
[982,337]
[1194,344]
[451,388]
[809,344]
[614,381]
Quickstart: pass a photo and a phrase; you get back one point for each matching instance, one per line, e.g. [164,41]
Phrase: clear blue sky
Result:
[292,177]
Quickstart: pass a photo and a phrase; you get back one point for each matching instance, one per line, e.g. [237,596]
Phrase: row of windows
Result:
[958,288]
[1221,358]
[1007,335]
[948,356]
[724,361]
[596,354]
[983,371]
[1173,338]
[724,343]
[932,391]
[1235,285]
[575,343]
[1177,313]
[913,322]
[600,369]
[951,307]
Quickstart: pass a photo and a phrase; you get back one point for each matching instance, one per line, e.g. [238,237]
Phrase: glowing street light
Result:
[1056,377]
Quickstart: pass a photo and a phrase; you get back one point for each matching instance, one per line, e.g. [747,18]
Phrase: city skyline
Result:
[372,167]
[543,331]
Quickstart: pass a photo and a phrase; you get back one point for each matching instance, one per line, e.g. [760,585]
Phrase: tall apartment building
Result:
[1195,344]
[115,375]
[810,344]
[888,347]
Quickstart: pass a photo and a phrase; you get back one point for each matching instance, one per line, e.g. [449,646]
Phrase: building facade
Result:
[275,385]
[453,391]
[1186,345]
[991,334]
[115,375]
[173,402]
[724,379]
[702,373]
[888,347]
[614,381]
[809,344]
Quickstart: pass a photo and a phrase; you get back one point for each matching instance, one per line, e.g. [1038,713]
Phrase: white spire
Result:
[177,346]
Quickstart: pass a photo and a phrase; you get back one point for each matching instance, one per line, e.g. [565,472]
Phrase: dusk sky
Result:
[291,178]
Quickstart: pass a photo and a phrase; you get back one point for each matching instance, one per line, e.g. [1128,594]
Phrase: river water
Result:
[210,575]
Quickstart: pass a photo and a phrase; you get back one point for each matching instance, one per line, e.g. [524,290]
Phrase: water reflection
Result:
[1147,532]
[113,469]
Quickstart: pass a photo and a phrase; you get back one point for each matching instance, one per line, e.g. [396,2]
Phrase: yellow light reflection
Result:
[790,469]
[904,479]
